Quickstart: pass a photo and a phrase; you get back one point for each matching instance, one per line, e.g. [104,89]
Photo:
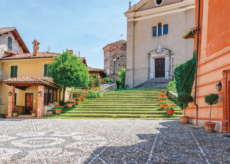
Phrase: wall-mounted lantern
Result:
[114,59]
[219,86]
[39,93]
[10,93]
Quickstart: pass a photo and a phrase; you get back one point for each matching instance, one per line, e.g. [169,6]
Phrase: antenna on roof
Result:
[129,4]
[79,53]
[121,36]
[49,48]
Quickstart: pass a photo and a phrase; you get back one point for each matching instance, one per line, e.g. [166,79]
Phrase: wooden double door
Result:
[28,102]
[159,67]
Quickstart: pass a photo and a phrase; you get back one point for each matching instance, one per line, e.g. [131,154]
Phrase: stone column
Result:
[40,101]
[167,67]
[152,74]
[11,100]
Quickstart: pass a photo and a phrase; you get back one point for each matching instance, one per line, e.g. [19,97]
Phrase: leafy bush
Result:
[171,106]
[210,100]
[172,86]
[91,83]
[121,76]
[184,75]
[163,102]
[97,82]
[107,80]
[184,98]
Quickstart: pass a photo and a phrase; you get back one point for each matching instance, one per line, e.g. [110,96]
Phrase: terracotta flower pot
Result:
[209,126]
[34,114]
[58,111]
[184,119]
[69,105]
[163,106]
[82,98]
[15,114]
[170,111]
[77,102]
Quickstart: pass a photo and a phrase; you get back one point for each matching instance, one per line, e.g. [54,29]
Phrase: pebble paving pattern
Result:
[47,141]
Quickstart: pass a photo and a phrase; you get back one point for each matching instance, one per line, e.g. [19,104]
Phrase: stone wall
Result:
[112,87]
[117,50]
[4,44]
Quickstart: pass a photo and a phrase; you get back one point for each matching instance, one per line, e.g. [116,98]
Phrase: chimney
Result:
[129,4]
[36,48]
[70,52]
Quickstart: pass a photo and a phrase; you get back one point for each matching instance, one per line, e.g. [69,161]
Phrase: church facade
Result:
[155,43]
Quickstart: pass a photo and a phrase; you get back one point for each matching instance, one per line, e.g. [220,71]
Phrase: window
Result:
[159,29]
[165,29]
[9,44]
[46,70]
[115,67]
[15,99]
[154,31]
[14,72]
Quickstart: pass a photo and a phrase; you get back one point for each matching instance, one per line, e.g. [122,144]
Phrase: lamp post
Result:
[114,59]
[172,55]
[219,86]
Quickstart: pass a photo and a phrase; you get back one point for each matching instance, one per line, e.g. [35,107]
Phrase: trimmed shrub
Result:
[211,100]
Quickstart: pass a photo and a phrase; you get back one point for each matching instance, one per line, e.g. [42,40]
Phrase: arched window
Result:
[159,29]
[9,43]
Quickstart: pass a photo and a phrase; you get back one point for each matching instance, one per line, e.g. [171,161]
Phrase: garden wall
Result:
[112,87]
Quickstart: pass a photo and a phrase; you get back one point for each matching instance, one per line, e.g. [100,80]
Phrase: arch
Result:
[9,43]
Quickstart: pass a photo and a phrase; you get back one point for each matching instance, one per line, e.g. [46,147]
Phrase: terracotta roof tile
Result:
[30,79]
[96,69]
[6,28]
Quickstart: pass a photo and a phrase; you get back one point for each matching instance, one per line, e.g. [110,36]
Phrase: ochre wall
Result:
[213,58]
[26,68]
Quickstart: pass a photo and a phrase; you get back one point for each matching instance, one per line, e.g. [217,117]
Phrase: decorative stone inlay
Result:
[6,153]
[38,142]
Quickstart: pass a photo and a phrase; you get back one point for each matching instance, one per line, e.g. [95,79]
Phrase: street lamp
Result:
[219,86]
[172,55]
[114,59]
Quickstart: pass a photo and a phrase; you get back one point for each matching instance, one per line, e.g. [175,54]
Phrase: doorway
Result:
[160,67]
[28,102]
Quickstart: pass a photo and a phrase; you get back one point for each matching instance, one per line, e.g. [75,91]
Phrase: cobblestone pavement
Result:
[109,141]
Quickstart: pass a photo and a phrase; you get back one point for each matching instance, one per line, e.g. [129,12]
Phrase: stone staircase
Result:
[133,103]
[154,83]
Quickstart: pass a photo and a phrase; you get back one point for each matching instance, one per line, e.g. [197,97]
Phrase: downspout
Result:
[197,51]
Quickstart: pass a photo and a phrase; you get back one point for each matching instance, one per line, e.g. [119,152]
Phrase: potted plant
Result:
[184,98]
[58,108]
[163,103]
[210,100]
[69,103]
[77,101]
[170,109]
[15,112]
[163,97]
[33,113]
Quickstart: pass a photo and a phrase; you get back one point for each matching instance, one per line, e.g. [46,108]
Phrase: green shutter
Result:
[45,70]
[14,71]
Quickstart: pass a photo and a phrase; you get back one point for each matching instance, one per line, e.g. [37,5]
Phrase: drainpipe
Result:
[197,50]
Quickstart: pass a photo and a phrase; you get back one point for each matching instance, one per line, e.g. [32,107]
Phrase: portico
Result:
[160,63]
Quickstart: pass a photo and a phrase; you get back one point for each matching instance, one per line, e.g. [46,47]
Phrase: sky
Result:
[79,25]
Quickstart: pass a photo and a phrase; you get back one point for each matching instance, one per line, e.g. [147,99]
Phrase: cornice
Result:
[163,10]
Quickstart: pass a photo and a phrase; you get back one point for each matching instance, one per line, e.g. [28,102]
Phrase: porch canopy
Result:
[47,89]
[25,82]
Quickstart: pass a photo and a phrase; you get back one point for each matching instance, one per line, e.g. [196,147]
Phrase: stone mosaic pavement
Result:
[109,141]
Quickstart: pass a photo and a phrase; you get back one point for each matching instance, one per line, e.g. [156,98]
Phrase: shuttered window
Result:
[46,70]
[154,31]
[165,29]
[159,29]
[14,72]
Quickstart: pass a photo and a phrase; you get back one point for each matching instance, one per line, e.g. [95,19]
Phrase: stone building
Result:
[154,32]
[114,58]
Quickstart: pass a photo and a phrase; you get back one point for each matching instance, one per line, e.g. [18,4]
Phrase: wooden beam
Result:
[21,44]
[25,84]
[17,38]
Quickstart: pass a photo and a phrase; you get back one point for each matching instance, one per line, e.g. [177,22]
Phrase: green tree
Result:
[121,76]
[184,98]
[68,71]
[91,82]
[210,100]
